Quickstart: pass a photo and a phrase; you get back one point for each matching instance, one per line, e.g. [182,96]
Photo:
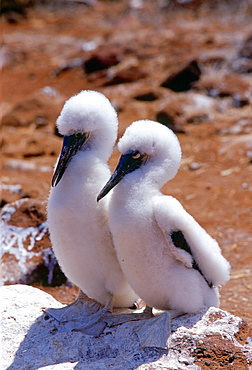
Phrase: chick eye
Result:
[78,134]
[136,154]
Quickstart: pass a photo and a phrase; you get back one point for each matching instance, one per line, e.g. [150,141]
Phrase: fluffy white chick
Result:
[168,258]
[78,226]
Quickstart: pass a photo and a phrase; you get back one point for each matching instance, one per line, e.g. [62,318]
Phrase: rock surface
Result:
[32,340]
[27,256]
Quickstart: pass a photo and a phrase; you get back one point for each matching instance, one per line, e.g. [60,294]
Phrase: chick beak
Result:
[71,145]
[127,163]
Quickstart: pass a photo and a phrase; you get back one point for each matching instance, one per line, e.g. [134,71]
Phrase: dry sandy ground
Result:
[139,49]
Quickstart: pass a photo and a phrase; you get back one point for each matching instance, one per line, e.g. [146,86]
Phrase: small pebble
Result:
[194,166]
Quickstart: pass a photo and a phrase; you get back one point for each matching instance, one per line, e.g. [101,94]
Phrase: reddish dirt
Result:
[48,48]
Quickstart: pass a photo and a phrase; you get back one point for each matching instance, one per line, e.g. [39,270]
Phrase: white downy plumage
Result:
[78,225]
[168,258]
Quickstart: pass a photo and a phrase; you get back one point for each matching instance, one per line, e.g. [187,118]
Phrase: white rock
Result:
[31,340]
[21,305]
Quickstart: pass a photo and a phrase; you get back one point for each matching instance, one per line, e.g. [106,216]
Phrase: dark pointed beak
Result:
[127,163]
[113,181]
[71,145]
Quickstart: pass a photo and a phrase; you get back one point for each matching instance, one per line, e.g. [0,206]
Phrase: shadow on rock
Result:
[46,342]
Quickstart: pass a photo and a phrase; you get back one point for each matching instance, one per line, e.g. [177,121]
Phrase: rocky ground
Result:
[185,65]
[212,339]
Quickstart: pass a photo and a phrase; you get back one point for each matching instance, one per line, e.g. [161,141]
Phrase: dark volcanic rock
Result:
[246,50]
[168,121]
[102,60]
[184,78]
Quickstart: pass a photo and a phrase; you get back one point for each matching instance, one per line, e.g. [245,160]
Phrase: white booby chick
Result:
[167,257]
[78,225]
